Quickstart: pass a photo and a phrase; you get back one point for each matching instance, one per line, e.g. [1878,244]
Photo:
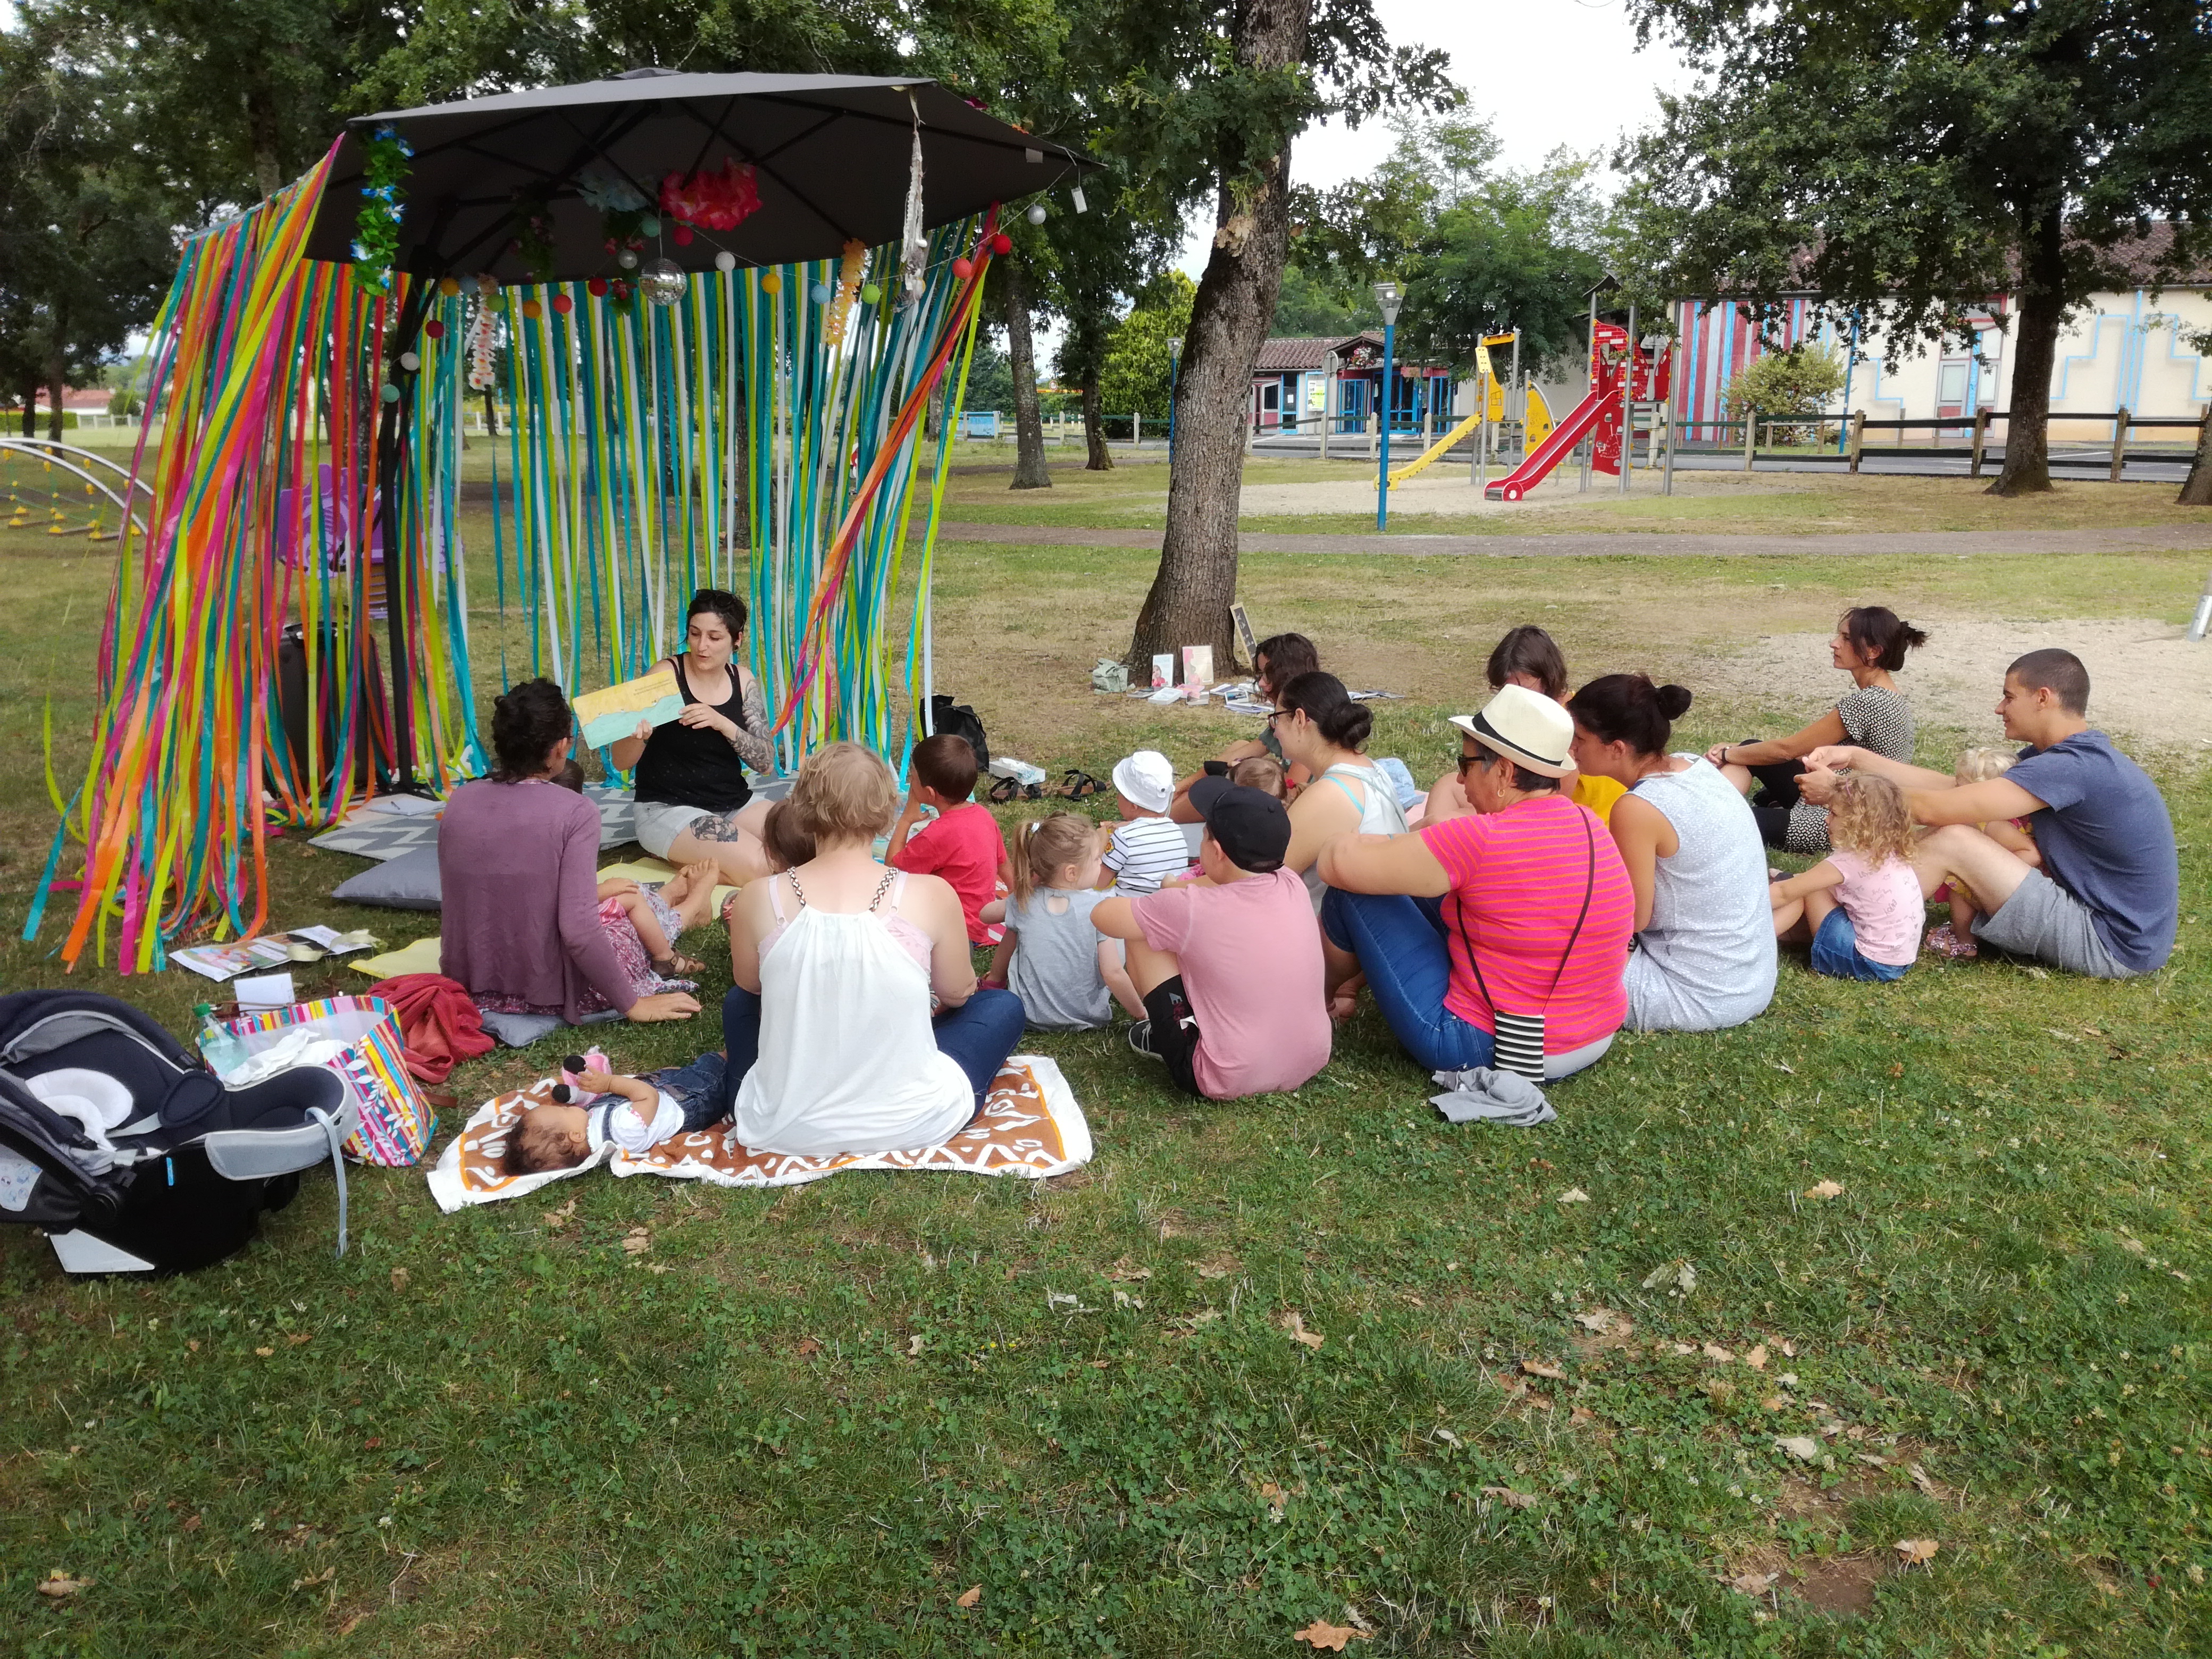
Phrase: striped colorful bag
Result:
[396,1122]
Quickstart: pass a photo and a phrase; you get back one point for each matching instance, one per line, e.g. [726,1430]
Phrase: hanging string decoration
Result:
[376,226]
[239,684]
[745,432]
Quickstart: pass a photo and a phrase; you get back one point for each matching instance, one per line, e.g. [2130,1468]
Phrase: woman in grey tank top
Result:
[1704,956]
[1870,643]
[1324,730]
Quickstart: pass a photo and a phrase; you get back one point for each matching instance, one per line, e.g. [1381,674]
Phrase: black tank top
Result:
[685,766]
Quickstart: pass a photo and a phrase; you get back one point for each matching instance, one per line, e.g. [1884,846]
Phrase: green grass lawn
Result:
[808,1422]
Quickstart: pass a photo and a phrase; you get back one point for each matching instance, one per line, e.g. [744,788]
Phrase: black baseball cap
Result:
[1250,825]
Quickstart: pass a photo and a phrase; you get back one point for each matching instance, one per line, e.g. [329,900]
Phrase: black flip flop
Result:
[1076,783]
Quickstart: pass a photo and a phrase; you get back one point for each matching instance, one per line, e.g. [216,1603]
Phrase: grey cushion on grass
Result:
[409,882]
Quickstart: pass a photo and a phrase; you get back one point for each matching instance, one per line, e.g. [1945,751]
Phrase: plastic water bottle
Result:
[223,1053]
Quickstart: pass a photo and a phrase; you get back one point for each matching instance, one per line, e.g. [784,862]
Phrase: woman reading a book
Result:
[693,800]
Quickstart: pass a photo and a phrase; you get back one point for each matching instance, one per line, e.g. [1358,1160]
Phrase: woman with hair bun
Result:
[521,928]
[1870,643]
[1704,956]
[1322,730]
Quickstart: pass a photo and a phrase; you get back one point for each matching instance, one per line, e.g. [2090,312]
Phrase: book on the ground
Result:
[613,713]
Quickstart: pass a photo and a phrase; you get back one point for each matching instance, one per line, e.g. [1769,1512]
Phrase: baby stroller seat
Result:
[133,1156]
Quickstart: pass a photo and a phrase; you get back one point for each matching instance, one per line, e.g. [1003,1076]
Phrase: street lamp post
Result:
[1175,375]
[1388,296]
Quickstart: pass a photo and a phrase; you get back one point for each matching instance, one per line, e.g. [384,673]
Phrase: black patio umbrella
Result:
[831,159]
[829,153]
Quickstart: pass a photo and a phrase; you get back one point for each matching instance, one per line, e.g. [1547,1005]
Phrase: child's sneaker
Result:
[1140,1039]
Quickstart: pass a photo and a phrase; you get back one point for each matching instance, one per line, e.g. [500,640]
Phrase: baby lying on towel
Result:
[635,1114]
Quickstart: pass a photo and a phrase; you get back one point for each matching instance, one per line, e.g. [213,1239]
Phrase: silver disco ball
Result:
[662,282]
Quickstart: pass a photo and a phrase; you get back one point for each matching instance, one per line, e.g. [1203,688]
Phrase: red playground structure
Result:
[1599,416]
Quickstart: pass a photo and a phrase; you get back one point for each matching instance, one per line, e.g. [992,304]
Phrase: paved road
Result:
[1957,544]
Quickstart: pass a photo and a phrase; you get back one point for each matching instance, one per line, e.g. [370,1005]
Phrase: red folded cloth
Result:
[439,1026]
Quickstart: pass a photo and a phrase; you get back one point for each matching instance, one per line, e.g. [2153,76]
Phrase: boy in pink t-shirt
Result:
[1230,974]
[964,844]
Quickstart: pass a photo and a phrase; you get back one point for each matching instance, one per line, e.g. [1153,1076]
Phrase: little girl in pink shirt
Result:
[1860,906]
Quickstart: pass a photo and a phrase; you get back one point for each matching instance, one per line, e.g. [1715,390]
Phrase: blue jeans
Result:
[1400,942]
[1836,952]
[701,1088]
[979,1034]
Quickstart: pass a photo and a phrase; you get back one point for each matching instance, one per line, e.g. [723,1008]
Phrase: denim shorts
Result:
[1836,952]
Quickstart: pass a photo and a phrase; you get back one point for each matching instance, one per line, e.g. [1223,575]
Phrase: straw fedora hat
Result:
[1525,726]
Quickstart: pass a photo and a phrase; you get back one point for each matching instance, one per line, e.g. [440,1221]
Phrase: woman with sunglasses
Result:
[1518,908]
[1324,731]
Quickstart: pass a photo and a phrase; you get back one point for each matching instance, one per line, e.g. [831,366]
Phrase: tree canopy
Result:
[1478,249]
[1907,162]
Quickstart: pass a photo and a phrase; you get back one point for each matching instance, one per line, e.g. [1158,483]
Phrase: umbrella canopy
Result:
[830,155]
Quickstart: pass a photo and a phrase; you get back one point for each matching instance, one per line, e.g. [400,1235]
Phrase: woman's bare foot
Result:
[1346,1000]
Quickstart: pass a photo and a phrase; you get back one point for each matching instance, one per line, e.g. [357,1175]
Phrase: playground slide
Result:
[1573,428]
[1437,448]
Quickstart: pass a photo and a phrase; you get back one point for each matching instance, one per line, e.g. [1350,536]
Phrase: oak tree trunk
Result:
[2027,469]
[57,383]
[1234,305]
[31,407]
[1030,472]
[1099,458]
[2196,488]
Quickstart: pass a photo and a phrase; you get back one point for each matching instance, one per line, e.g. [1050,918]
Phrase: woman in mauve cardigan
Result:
[518,867]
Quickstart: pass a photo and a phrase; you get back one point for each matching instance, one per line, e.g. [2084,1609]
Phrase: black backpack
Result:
[959,720]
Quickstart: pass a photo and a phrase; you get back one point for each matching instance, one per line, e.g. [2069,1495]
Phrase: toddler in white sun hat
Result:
[1146,847]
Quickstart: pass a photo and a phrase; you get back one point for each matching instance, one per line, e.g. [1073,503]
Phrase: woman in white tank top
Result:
[855,1025]
[1320,728]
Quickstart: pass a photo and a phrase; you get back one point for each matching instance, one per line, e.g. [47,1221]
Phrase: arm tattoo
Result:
[754,745]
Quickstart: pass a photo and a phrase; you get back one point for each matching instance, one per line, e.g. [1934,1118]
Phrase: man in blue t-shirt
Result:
[2108,898]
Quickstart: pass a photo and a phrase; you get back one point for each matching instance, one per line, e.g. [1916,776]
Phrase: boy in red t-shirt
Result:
[963,844]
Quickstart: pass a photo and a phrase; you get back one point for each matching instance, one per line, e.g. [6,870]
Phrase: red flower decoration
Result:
[712,200]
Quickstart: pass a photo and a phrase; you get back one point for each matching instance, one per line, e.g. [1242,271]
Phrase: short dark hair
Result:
[1628,708]
[1528,782]
[571,775]
[946,762]
[525,723]
[1530,650]
[1880,635]
[1322,699]
[1288,655]
[531,1148]
[721,603]
[2059,672]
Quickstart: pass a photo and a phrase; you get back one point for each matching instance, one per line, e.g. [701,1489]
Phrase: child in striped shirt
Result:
[1146,847]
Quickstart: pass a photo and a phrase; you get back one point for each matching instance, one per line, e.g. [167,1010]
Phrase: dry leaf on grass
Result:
[1752,1583]
[1293,1324]
[59,1585]
[914,1347]
[1825,1189]
[638,1242]
[1929,1485]
[1582,1414]
[1543,1368]
[1510,1499]
[1323,1634]
[1278,1499]
[1802,1447]
[1718,1354]
[298,1337]
[1604,1322]
[1678,1275]
[1757,1357]
[808,1345]
[399,1278]
[264,1352]
[1914,1551]
[1212,1270]
[1124,1270]
[969,1597]
[1448,1437]
[322,1577]
[1574,1195]
[2132,1246]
